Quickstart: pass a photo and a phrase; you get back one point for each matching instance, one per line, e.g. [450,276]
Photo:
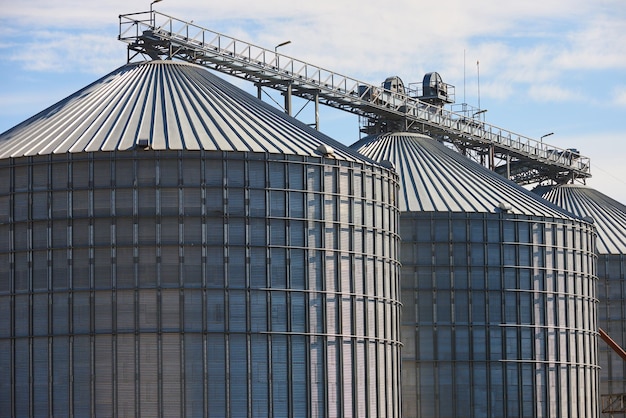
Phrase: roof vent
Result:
[326,150]
[143,143]
[505,207]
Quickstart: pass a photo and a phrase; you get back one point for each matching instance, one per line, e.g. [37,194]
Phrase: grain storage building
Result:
[609,217]
[498,288]
[172,246]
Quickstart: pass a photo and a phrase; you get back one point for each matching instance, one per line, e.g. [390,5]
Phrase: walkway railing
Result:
[162,36]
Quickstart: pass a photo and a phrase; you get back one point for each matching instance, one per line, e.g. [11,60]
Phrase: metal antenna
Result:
[478,79]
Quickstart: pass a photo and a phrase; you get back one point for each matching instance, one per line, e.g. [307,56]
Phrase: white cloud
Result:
[361,37]
[606,151]
[599,44]
[56,51]
[619,95]
[553,93]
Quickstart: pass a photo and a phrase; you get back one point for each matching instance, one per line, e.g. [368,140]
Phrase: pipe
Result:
[619,350]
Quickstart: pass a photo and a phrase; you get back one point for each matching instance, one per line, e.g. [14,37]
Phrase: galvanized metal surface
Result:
[608,214]
[492,324]
[436,178]
[610,221]
[612,318]
[228,266]
[198,283]
[164,105]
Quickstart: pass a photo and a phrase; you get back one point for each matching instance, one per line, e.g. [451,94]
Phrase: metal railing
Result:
[614,403]
[160,35]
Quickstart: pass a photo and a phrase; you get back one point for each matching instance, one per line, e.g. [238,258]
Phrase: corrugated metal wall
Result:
[153,283]
[498,291]
[609,218]
[499,316]
[612,319]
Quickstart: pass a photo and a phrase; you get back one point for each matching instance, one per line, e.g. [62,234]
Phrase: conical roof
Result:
[609,215]
[172,106]
[434,178]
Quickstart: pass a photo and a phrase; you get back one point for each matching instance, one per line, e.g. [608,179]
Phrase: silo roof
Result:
[173,106]
[609,215]
[434,178]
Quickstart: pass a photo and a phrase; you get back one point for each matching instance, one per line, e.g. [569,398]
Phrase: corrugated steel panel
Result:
[164,292]
[484,301]
[489,295]
[609,215]
[435,178]
[610,220]
[172,105]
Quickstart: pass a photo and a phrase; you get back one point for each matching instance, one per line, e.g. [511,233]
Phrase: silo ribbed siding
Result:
[172,246]
[612,319]
[180,283]
[498,316]
[609,218]
[498,291]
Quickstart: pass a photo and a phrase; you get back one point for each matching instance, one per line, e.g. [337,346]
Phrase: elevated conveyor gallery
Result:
[517,157]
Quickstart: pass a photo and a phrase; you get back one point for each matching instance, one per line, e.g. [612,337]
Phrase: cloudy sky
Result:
[540,66]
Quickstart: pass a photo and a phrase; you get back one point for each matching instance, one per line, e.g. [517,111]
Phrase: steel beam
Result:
[161,36]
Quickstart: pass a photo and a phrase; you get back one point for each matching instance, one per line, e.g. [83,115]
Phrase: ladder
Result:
[522,159]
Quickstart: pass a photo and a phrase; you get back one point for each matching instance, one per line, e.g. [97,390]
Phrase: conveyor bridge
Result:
[520,158]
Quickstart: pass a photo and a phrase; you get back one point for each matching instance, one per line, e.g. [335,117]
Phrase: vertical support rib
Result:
[288,100]
[317,111]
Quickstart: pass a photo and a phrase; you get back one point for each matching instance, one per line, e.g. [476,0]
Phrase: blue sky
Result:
[545,66]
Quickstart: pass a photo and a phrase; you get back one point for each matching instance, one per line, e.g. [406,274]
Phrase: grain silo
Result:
[498,291]
[172,246]
[609,216]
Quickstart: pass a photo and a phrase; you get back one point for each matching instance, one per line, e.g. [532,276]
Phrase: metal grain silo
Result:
[610,220]
[171,246]
[498,291]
